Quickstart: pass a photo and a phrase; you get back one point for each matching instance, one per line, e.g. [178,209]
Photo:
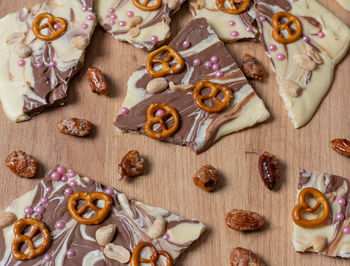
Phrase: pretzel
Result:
[278,27]
[145,6]
[90,198]
[303,206]
[166,69]
[51,21]
[136,260]
[152,120]
[21,238]
[215,89]
[233,3]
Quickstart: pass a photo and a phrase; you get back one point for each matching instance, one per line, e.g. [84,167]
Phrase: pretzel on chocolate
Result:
[279,26]
[237,6]
[166,68]
[145,7]
[21,238]
[90,199]
[51,21]
[215,90]
[152,120]
[303,206]
[136,260]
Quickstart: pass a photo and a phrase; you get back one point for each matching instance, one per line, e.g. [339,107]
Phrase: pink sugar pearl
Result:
[90,17]
[154,38]
[39,65]
[57,26]
[59,225]
[197,62]
[61,170]
[341,202]
[216,67]
[28,210]
[53,64]
[47,258]
[124,111]
[321,34]
[234,33]
[112,22]
[281,57]
[306,38]
[339,216]
[130,14]
[231,23]
[68,191]
[39,210]
[109,191]
[166,237]
[262,18]
[214,59]
[160,112]
[21,63]
[346,230]
[72,183]
[72,174]
[219,74]
[44,200]
[122,23]
[48,189]
[186,44]
[272,48]
[113,16]
[111,10]
[249,29]
[70,253]
[84,26]
[55,176]
[208,65]
[64,178]
[84,8]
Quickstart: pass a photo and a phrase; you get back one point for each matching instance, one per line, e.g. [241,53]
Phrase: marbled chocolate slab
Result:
[334,188]
[35,86]
[345,4]
[198,129]
[133,219]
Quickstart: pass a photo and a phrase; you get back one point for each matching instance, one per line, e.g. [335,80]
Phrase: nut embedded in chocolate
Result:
[97,81]
[206,177]
[244,257]
[75,127]
[269,169]
[22,164]
[244,220]
[131,165]
[252,68]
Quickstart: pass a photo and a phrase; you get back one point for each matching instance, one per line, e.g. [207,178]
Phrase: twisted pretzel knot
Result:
[215,90]
[136,260]
[21,238]
[304,206]
[152,120]
[145,7]
[166,69]
[89,198]
[236,9]
[51,21]
[286,26]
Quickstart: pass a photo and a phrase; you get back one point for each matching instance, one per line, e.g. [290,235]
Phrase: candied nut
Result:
[244,257]
[292,89]
[198,4]
[75,127]
[97,81]
[6,219]
[269,169]
[157,85]
[252,68]
[117,253]
[244,220]
[305,62]
[158,228]
[206,177]
[134,32]
[314,55]
[80,42]
[131,165]
[180,87]
[104,235]
[134,21]
[319,243]
[22,164]
[341,146]
[15,37]
[23,50]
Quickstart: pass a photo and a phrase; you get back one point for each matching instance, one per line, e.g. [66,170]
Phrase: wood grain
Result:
[169,180]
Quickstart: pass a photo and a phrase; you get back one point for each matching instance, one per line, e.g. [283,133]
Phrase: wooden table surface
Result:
[168,182]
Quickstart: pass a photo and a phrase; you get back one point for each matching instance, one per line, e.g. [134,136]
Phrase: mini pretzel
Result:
[303,206]
[215,89]
[51,21]
[21,238]
[136,260]
[279,27]
[244,4]
[152,120]
[166,69]
[146,7]
[90,198]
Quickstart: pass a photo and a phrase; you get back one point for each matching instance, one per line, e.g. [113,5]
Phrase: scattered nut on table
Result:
[22,164]
[252,68]
[75,127]
[6,219]
[206,177]
[158,228]
[244,257]
[131,165]
[269,169]
[104,235]
[97,81]
[341,146]
[241,220]
[117,253]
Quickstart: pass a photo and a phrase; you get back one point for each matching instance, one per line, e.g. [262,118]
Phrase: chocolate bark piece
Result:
[198,129]
[36,76]
[345,4]
[133,220]
[142,29]
[337,191]
[228,27]
[325,42]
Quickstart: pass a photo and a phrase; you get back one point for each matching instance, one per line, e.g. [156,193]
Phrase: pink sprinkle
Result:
[84,8]
[214,59]
[272,47]
[68,191]
[55,176]
[160,112]
[28,210]
[208,65]
[219,74]
[321,34]
[47,258]
[166,236]
[113,16]
[84,26]
[306,38]
[53,64]
[339,216]
[64,178]
[111,22]
[39,210]
[130,14]
[124,111]
[48,189]
[231,23]
[197,62]
[72,174]
[234,33]
[249,29]
[61,170]
[341,202]
[70,253]
[122,23]
[39,65]
[154,38]
[262,18]
[44,200]
[59,225]
[57,26]
[109,191]
[186,44]
[216,67]
[72,183]
[346,230]
[111,10]
[281,57]
[21,62]
[90,17]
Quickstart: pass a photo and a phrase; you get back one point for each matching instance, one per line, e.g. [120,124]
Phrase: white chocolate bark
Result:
[345,4]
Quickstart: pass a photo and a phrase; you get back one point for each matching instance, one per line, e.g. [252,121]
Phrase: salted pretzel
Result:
[166,68]
[278,27]
[20,239]
[145,7]
[152,120]
[37,27]
[215,90]
[237,6]
[89,198]
[303,206]
[136,260]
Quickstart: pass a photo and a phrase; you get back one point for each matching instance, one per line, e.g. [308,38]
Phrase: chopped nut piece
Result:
[80,42]
[292,88]
[180,87]
[23,50]
[305,62]
[341,146]
[206,178]
[244,220]
[252,68]
[22,164]
[97,81]
[157,85]
[244,257]
[134,32]
[158,228]
[269,169]
[134,21]
[319,243]
[198,4]
[75,127]
[105,234]
[173,4]
[314,55]
[131,165]
[117,253]
[6,219]
[15,37]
